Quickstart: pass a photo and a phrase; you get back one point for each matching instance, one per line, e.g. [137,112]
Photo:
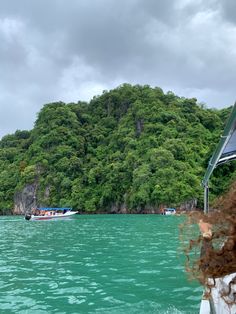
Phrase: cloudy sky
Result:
[70,50]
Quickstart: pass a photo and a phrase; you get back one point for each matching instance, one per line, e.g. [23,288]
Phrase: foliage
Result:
[133,146]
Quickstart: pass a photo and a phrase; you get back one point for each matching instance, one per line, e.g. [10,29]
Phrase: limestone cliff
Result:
[25,200]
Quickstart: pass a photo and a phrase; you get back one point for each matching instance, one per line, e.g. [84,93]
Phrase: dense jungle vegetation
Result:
[134,147]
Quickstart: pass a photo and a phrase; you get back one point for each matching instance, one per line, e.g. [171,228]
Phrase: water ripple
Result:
[94,264]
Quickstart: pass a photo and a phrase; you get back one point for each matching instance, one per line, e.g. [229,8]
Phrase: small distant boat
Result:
[48,213]
[169,211]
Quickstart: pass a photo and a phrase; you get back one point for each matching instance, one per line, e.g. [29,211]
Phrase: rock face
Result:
[189,205]
[25,200]
[123,209]
[119,209]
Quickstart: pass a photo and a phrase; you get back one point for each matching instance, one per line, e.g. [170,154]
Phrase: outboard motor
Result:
[27,216]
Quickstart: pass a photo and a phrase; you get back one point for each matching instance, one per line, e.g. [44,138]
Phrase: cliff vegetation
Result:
[132,149]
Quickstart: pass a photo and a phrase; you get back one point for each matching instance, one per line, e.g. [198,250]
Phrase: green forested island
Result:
[132,149]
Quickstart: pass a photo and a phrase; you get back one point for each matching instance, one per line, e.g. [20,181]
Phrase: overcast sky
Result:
[70,50]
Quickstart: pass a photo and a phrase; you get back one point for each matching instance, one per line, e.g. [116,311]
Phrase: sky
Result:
[71,50]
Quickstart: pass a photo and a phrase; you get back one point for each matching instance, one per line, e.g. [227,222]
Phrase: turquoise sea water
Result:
[94,264]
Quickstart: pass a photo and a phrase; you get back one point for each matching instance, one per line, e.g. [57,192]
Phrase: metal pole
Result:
[206,198]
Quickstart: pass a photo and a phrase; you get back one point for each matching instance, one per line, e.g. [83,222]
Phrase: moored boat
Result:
[168,211]
[48,213]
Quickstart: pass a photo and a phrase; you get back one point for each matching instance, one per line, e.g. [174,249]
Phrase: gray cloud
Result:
[57,50]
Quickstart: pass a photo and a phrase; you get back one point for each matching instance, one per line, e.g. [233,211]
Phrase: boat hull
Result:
[50,217]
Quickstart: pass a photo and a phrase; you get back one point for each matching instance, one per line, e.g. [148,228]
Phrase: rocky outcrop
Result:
[118,209]
[123,209]
[25,200]
[189,205]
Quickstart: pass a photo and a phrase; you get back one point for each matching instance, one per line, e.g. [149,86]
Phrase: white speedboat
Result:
[169,211]
[49,213]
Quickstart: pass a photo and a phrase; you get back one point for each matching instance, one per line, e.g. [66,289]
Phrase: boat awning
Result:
[226,149]
[54,208]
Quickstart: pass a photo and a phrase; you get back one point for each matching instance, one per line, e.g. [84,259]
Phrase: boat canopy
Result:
[54,208]
[225,152]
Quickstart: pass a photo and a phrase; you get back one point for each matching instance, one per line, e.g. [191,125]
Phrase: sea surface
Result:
[94,264]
